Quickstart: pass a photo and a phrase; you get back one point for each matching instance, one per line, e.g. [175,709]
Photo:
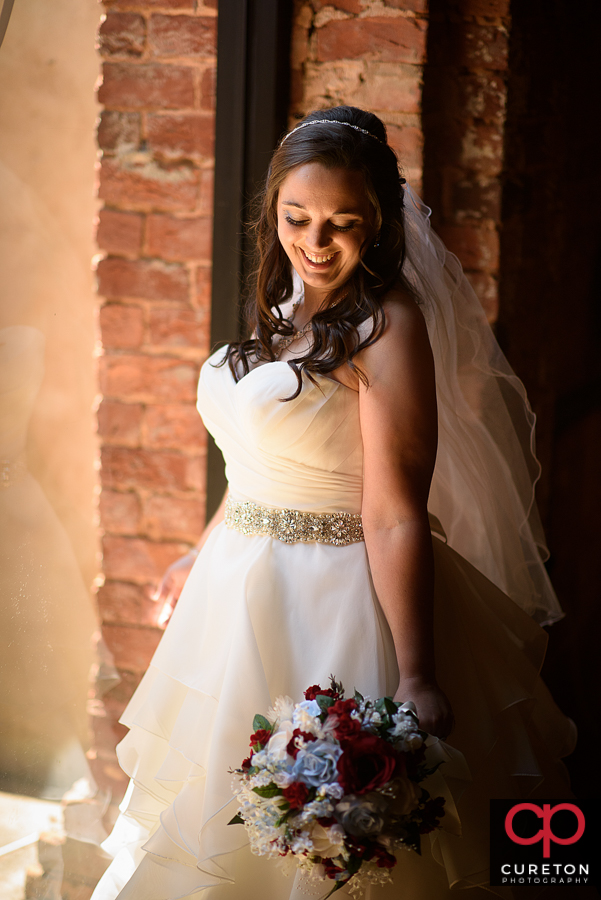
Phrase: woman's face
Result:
[325,224]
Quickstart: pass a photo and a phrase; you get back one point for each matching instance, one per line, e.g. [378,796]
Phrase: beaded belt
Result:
[291,525]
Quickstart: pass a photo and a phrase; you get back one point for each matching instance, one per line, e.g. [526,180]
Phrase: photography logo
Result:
[543,842]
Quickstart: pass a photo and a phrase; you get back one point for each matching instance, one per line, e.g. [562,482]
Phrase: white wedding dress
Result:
[259,618]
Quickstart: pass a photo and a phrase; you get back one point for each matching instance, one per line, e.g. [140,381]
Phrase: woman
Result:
[324,558]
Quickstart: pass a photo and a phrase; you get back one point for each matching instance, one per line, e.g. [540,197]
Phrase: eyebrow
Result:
[339,212]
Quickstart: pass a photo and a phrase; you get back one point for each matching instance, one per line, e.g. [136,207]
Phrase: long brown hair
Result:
[336,339]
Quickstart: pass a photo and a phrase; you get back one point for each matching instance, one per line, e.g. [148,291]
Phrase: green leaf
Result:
[324,702]
[269,790]
[358,697]
[390,706]
[261,722]
[237,820]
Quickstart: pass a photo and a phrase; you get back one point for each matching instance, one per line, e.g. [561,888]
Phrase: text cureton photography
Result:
[542,842]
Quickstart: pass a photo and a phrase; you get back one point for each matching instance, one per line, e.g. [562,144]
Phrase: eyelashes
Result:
[298,224]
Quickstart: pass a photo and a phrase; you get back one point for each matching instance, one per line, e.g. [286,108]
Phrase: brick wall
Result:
[156,135]
[364,53]
[464,119]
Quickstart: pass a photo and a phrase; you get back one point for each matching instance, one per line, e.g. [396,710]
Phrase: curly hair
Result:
[336,338]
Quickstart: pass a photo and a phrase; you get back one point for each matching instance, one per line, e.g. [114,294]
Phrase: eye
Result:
[292,221]
[344,227]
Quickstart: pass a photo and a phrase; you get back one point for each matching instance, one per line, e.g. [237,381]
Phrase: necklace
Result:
[285,342]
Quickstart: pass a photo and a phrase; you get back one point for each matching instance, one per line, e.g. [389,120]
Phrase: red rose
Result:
[296,794]
[367,763]
[342,707]
[291,747]
[259,738]
[246,763]
[332,870]
[382,858]
[345,727]
[312,692]
[432,813]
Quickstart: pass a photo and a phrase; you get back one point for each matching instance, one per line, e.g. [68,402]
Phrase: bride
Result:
[379,525]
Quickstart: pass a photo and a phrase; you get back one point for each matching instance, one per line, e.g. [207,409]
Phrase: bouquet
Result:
[336,784]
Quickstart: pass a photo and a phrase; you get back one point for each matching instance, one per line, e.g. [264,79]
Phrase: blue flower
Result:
[317,763]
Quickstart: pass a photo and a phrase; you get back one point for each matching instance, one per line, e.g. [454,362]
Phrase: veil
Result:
[486,468]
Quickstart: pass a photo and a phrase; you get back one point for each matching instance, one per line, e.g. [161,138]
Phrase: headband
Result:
[331,122]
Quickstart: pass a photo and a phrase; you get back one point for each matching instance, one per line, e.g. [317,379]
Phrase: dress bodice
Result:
[304,454]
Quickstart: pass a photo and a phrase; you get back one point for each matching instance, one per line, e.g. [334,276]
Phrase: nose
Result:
[317,236]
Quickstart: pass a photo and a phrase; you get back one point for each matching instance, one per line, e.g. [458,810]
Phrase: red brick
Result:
[482,149]
[477,200]
[208,88]
[388,39]
[182,36]
[390,87]
[480,46]
[171,518]
[179,327]
[153,469]
[148,378]
[118,130]
[119,232]
[122,34]
[145,86]
[477,248]
[496,9]
[352,6]
[119,423]
[408,142]
[482,96]
[120,602]
[205,199]
[179,238]
[121,327]
[181,136]
[149,279]
[147,184]
[137,560]
[202,288]
[151,4]
[174,426]
[120,512]
[132,647]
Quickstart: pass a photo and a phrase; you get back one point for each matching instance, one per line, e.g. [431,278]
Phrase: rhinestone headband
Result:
[331,122]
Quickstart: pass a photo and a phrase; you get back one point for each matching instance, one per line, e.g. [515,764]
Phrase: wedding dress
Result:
[259,618]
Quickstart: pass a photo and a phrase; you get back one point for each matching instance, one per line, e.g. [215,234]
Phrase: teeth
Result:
[318,259]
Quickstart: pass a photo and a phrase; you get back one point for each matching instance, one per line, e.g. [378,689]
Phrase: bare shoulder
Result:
[404,340]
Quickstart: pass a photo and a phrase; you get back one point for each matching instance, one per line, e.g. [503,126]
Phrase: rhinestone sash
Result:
[291,525]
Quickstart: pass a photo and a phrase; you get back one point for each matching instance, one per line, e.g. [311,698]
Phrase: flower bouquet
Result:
[335,783]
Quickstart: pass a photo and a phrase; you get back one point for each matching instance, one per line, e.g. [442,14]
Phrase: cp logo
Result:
[545,834]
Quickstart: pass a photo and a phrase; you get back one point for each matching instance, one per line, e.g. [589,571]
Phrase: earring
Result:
[377,241]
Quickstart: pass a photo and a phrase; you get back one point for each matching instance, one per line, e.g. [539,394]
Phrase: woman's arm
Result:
[399,431]
[172,582]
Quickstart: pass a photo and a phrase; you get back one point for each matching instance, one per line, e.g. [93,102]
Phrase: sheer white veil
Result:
[486,469]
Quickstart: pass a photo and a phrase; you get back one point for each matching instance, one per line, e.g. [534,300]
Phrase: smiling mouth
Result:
[319,260]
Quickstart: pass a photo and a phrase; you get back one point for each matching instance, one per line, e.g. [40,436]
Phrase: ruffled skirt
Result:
[259,618]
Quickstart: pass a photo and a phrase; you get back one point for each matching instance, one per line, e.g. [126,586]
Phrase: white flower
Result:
[259,759]
[333,790]
[405,730]
[327,842]
[306,717]
[276,748]
[282,709]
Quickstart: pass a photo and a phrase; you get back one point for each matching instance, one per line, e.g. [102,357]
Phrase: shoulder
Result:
[404,338]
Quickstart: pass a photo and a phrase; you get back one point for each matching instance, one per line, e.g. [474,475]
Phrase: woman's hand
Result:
[433,708]
[170,586]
